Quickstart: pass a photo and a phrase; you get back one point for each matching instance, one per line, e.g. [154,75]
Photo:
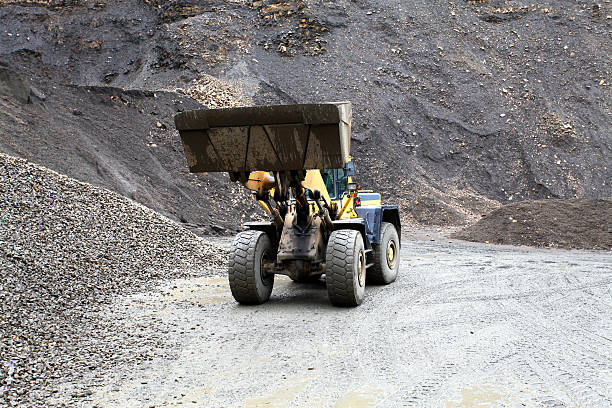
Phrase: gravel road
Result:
[465,325]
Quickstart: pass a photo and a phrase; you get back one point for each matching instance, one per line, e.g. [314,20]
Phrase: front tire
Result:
[386,256]
[249,283]
[345,268]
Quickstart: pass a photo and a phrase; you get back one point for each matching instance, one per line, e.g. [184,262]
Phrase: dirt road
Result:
[465,324]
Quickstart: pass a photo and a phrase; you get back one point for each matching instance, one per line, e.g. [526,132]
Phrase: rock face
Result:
[14,86]
[65,248]
[458,107]
[578,223]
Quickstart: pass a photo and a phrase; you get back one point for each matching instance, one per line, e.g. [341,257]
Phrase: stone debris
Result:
[215,93]
[66,249]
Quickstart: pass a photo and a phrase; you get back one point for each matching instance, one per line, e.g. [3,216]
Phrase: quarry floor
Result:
[465,324]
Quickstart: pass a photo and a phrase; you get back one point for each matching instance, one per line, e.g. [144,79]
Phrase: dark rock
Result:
[14,85]
[37,93]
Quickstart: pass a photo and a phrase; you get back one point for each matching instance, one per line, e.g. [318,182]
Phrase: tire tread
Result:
[375,272]
[339,274]
[241,267]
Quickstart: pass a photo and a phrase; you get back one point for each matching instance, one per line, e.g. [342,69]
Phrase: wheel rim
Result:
[265,277]
[391,253]
[361,269]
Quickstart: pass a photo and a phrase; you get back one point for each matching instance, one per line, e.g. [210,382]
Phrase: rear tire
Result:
[248,281]
[386,256]
[345,268]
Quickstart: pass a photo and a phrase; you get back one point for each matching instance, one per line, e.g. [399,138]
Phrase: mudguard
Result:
[358,224]
[375,216]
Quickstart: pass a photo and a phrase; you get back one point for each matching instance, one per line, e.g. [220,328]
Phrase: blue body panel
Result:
[375,216]
[372,217]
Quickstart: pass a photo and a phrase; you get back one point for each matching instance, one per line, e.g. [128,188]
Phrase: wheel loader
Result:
[294,160]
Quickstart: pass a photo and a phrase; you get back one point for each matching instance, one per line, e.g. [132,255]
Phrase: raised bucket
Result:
[269,138]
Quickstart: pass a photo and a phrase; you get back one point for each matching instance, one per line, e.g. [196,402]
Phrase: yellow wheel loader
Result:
[294,160]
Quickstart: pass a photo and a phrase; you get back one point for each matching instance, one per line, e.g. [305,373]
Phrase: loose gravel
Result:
[66,250]
[577,223]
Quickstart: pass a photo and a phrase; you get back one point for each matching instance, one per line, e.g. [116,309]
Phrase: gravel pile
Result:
[215,93]
[66,249]
[577,223]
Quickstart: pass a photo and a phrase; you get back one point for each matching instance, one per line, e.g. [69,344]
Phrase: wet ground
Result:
[465,325]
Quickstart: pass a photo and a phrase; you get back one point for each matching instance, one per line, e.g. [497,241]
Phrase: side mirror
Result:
[349,169]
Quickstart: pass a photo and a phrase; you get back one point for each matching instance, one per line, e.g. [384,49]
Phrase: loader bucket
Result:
[268,138]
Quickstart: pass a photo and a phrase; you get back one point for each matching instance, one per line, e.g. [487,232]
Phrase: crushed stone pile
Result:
[577,223]
[66,248]
[214,93]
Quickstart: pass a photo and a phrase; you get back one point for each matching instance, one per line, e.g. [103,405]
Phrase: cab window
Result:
[341,183]
[336,182]
[328,179]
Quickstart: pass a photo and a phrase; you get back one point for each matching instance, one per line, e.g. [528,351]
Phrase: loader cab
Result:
[336,180]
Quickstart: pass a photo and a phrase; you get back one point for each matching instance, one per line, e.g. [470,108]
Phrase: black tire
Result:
[386,256]
[345,268]
[248,281]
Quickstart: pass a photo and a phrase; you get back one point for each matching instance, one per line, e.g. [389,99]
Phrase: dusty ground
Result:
[465,324]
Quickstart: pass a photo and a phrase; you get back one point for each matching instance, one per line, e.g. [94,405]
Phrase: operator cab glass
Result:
[336,182]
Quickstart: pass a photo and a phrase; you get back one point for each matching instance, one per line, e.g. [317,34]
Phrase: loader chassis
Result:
[294,160]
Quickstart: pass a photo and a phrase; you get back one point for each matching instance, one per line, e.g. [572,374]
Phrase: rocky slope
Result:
[120,140]
[458,106]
